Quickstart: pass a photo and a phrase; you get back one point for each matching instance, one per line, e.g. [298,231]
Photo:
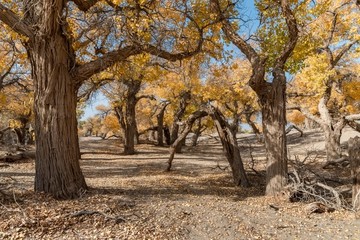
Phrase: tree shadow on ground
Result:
[180,188]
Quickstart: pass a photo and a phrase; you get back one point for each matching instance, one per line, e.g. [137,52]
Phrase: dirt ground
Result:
[132,197]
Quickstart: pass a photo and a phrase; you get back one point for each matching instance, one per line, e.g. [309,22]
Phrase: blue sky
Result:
[98,99]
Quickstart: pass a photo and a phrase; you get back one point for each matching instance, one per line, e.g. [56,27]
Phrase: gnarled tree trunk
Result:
[57,154]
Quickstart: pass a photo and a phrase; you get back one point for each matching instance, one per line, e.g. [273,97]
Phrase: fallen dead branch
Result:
[343,161]
[307,185]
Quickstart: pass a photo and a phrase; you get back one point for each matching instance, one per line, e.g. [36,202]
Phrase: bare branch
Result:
[343,52]
[151,97]
[14,22]
[156,51]
[231,33]
[85,71]
[353,117]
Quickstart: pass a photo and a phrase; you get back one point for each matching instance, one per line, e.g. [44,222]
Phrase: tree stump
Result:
[354,157]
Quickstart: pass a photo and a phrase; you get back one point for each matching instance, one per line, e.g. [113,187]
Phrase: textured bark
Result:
[57,154]
[354,157]
[273,114]
[230,145]
[332,131]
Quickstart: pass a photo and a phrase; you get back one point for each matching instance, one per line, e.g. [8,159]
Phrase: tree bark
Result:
[57,154]
[57,77]
[273,119]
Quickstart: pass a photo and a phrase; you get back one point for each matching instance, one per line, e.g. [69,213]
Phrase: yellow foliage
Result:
[111,123]
[296,117]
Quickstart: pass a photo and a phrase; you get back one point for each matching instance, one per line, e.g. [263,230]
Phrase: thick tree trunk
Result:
[230,145]
[274,121]
[57,149]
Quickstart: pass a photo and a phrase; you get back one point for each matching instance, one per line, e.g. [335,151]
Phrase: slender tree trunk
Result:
[160,122]
[57,148]
[234,126]
[274,121]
